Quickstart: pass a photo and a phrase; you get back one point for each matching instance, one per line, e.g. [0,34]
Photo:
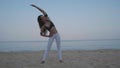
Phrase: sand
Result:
[72,59]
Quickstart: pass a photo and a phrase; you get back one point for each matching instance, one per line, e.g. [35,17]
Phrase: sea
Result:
[13,46]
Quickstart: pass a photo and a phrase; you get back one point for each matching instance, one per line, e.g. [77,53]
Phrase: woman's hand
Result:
[32,5]
[44,35]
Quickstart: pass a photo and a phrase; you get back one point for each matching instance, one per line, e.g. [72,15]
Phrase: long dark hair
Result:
[40,22]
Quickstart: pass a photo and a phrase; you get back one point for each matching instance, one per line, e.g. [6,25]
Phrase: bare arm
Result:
[41,10]
[42,33]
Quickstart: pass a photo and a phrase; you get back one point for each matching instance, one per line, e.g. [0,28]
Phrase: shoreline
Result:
[56,50]
[72,59]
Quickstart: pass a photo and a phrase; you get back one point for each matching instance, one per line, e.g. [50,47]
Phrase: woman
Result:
[46,25]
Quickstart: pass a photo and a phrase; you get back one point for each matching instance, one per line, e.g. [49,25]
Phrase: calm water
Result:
[66,45]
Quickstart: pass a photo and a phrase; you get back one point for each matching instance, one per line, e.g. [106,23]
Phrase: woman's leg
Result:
[50,41]
[58,42]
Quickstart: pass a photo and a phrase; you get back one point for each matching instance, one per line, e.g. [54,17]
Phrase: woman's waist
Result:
[53,31]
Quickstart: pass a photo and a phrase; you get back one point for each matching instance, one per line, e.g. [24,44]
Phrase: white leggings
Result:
[50,41]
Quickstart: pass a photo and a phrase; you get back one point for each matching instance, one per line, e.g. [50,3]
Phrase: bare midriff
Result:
[53,31]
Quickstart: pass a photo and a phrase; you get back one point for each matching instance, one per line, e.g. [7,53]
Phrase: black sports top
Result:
[50,27]
[51,24]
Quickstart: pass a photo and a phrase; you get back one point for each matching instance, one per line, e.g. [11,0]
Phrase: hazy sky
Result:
[74,19]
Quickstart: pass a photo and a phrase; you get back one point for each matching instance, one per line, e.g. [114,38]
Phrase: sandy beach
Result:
[72,59]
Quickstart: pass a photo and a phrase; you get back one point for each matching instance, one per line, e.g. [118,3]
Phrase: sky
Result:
[74,19]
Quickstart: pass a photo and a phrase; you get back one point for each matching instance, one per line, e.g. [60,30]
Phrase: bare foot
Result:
[60,61]
[42,62]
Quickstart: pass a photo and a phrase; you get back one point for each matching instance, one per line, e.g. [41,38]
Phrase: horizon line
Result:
[61,40]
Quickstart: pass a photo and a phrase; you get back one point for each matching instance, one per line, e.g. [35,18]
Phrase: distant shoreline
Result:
[62,50]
